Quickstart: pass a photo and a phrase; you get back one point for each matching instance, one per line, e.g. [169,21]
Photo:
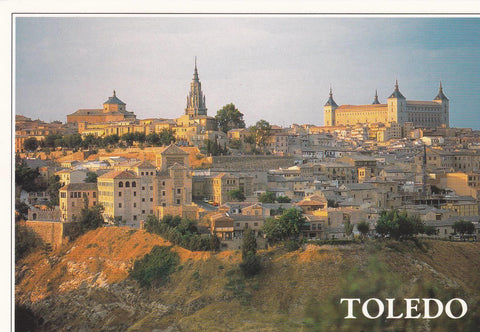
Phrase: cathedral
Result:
[423,114]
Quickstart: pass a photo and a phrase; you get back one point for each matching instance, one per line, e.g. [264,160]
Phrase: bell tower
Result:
[195,99]
[329,111]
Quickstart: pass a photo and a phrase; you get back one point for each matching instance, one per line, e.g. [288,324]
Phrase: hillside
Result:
[85,285]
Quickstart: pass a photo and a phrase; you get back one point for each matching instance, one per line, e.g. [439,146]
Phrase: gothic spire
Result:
[195,73]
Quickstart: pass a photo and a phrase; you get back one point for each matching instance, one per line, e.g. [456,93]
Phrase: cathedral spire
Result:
[375,100]
[195,100]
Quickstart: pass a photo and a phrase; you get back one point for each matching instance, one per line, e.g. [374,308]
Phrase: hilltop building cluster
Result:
[366,159]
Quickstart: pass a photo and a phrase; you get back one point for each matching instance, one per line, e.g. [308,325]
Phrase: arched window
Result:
[34,216]
[127,184]
[120,184]
[134,184]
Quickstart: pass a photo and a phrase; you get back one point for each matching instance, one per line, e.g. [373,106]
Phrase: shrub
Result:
[155,267]
[251,265]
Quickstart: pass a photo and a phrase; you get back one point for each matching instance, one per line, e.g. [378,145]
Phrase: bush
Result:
[251,265]
[155,267]
[292,245]
[26,241]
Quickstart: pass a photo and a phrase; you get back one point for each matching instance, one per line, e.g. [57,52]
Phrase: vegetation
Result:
[250,265]
[229,117]
[363,227]
[463,227]
[31,144]
[91,177]
[90,218]
[25,176]
[348,228]
[237,195]
[214,148]
[182,232]
[53,187]
[267,197]
[286,226]
[283,199]
[261,132]
[398,225]
[155,267]
[26,241]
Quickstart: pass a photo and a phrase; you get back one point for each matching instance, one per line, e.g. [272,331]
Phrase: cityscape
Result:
[132,222]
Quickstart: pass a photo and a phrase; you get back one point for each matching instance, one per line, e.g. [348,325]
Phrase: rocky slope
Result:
[85,286]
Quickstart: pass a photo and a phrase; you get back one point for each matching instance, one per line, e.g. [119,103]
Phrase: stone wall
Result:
[50,232]
[252,162]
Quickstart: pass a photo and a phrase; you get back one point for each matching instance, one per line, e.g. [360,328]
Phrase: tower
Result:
[329,111]
[396,106]
[375,100]
[113,104]
[444,104]
[195,99]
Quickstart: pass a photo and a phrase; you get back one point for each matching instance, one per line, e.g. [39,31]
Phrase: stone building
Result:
[425,114]
[113,110]
[72,198]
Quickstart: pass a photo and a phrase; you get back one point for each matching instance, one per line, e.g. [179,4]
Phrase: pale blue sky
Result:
[278,68]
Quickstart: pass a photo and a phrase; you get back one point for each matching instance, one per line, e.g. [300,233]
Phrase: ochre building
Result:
[113,110]
[425,114]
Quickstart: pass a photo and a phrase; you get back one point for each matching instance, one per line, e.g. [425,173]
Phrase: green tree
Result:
[91,218]
[72,141]
[111,140]
[363,227]
[283,199]
[249,243]
[155,267]
[267,197]
[53,187]
[250,265]
[398,225]
[235,144]
[261,132]
[128,138]
[237,195]
[348,228]
[229,117]
[288,225]
[463,227]
[30,144]
[25,176]
[51,139]
[166,136]
[26,241]
[91,177]
[153,139]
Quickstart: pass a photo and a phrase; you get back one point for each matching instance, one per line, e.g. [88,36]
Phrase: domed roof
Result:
[114,100]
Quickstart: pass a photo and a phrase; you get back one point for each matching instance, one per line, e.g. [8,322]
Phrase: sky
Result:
[277,68]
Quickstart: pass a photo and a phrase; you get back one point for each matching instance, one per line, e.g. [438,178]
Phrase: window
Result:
[163,192]
[94,203]
[94,194]
[120,184]
[151,173]
[143,211]
[134,184]
[151,211]
[151,199]
[178,201]
[151,187]
[143,188]
[179,191]
[134,218]
[134,204]
[127,184]
[119,194]
[163,183]
[143,199]
[164,204]
[134,193]
[73,204]
[119,205]
[141,173]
